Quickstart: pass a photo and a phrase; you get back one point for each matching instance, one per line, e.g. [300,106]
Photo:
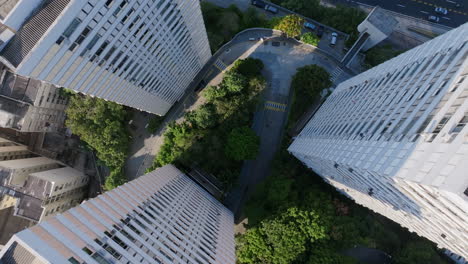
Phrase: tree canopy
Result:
[291,25]
[312,79]
[201,138]
[102,125]
[310,38]
[242,144]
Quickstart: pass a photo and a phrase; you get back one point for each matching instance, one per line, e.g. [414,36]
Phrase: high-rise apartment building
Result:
[37,187]
[29,105]
[140,53]
[395,139]
[160,217]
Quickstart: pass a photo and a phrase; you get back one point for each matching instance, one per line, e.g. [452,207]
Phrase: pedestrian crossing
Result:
[336,74]
[275,106]
[220,65]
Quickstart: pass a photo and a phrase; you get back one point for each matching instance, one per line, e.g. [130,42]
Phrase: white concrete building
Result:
[140,53]
[161,217]
[395,139]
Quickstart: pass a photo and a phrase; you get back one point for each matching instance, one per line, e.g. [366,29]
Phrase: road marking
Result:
[446,18]
[220,65]
[401,5]
[424,12]
[431,4]
[275,106]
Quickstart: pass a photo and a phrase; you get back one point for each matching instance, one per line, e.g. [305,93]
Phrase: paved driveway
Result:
[280,62]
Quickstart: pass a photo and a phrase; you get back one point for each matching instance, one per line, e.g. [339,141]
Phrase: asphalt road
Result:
[421,9]
[281,61]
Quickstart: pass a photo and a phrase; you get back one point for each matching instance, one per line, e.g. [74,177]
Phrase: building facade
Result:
[395,140]
[29,105]
[37,187]
[160,217]
[139,53]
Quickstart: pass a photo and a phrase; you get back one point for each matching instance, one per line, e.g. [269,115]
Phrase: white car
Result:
[334,37]
[433,18]
[440,10]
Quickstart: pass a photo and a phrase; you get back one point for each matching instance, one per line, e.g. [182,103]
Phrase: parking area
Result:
[323,31]
[271,10]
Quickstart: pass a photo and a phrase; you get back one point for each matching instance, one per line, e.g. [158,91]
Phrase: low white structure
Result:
[395,139]
[160,217]
[140,53]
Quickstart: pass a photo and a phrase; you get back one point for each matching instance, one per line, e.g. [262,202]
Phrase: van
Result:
[334,37]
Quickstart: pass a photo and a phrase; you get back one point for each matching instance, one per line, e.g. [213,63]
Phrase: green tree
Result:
[312,79]
[234,82]
[242,144]
[418,252]
[291,25]
[310,38]
[252,248]
[154,122]
[102,125]
[203,117]
[248,67]
[283,239]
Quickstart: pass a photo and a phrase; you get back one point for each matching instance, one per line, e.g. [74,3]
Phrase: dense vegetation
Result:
[154,123]
[291,25]
[294,217]
[307,84]
[345,19]
[380,54]
[102,125]
[310,38]
[223,23]
[212,137]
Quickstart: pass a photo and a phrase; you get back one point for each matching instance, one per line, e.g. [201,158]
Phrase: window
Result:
[69,30]
[461,124]
[122,5]
[73,260]
[87,250]
[109,3]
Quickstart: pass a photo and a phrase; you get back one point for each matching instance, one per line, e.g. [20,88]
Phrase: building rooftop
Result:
[12,113]
[6,6]
[19,88]
[26,163]
[382,20]
[59,175]
[4,149]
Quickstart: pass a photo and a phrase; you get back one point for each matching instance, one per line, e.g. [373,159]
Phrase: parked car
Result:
[440,10]
[271,9]
[320,31]
[309,26]
[258,3]
[334,37]
[433,18]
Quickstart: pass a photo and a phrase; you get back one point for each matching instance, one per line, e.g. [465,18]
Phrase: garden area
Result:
[217,137]
[222,24]
[345,19]
[306,85]
[296,217]
[102,125]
